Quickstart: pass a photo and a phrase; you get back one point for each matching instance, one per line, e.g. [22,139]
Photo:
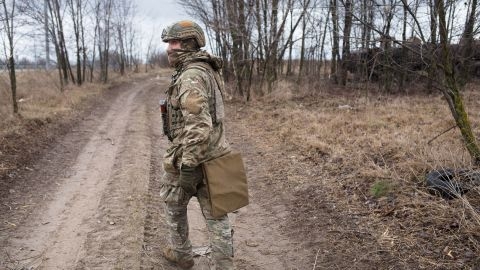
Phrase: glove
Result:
[189,178]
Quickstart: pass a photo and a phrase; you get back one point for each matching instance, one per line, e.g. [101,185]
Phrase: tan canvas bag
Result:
[227,183]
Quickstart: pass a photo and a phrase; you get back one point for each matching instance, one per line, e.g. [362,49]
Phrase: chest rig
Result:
[174,122]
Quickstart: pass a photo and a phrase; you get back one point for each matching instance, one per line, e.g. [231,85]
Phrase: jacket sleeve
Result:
[193,97]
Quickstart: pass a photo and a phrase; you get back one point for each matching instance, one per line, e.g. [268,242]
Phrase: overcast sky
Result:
[160,12]
[151,17]
[154,15]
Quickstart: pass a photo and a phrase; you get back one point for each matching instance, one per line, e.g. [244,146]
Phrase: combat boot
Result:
[172,256]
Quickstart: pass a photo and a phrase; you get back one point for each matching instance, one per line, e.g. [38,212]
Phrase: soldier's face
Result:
[172,45]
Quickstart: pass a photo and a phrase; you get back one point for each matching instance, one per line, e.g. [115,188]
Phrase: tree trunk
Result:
[466,45]
[94,47]
[290,47]
[302,52]
[346,41]
[260,45]
[47,46]
[452,90]
[9,28]
[67,68]
[432,68]
[335,47]
[75,13]
[387,52]
[121,53]
[233,13]
[403,59]
[271,61]
[324,35]
[13,81]
[104,36]
[84,49]
[368,37]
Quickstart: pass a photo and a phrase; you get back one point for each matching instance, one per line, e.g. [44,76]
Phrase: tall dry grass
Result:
[45,111]
[365,144]
[40,97]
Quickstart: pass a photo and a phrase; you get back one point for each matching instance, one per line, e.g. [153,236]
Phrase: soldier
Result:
[193,122]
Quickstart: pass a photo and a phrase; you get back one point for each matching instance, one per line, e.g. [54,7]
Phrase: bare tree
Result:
[260,38]
[451,91]
[58,36]
[302,47]
[47,42]
[322,44]
[273,35]
[302,17]
[236,21]
[432,67]
[346,40]
[389,9]
[9,28]
[335,37]
[466,42]
[122,21]
[290,47]
[103,15]
[149,50]
[404,55]
[48,13]
[367,15]
[249,34]
[76,12]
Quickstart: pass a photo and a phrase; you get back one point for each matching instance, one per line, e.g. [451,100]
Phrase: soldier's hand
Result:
[189,178]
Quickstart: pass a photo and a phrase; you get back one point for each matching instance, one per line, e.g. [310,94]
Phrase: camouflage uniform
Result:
[196,131]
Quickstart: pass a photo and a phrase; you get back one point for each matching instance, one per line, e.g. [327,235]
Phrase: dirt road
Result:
[91,201]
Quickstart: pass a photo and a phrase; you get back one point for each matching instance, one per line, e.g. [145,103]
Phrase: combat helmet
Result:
[184,30]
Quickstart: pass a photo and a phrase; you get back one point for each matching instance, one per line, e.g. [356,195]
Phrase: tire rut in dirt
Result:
[38,186]
[116,240]
[154,236]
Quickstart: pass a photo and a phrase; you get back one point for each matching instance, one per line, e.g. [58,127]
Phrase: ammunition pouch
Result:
[166,126]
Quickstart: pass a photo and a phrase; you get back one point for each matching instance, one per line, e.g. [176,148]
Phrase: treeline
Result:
[264,38]
[260,38]
[84,39]
[102,30]
[262,41]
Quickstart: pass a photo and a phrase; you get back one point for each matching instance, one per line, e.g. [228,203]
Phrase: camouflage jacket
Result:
[195,112]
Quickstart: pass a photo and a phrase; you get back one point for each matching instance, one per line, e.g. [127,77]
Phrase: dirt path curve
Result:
[91,202]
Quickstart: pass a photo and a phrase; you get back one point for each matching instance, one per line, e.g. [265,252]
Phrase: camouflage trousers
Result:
[219,229]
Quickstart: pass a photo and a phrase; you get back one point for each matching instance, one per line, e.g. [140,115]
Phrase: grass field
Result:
[373,153]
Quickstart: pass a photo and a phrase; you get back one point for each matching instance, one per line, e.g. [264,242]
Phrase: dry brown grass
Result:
[42,106]
[40,97]
[360,144]
[44,112]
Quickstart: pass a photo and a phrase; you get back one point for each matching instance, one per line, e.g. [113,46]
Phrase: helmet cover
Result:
[183,30]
